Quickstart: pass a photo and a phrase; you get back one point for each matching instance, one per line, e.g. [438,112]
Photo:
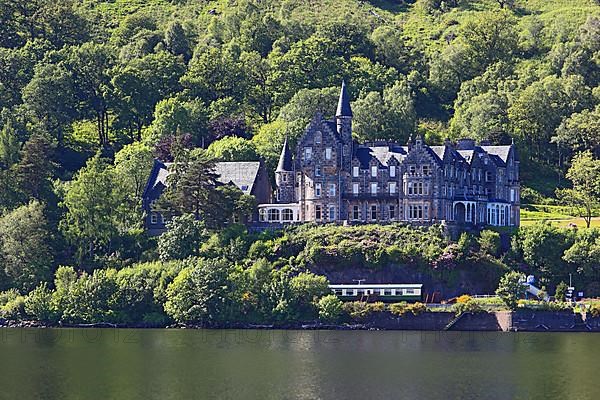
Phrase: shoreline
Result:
[501,321]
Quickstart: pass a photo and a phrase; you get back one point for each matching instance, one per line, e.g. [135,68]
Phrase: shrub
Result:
[330,308]
[12,304]
[595,310]
[465,298]
[378,306]
[357,309]
[511,288]
[403,308]
[38,304]
[469,306]
[560,293]
[545,305]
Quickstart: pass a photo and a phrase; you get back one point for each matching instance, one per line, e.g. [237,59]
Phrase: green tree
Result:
[51,96]
[200,294]
[25,250]
[580,132]
[489,242]
[142,83]
[182,239]
[132,167]
[560,294]
[35,168]
[584,175]
[176,41]
[232,148]
[192,185]
[585,254]
[93,203]
[175,115]
[9,145]
[511,289]
[331,308]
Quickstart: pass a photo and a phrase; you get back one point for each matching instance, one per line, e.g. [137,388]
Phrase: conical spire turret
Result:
[285,159]
[344,109]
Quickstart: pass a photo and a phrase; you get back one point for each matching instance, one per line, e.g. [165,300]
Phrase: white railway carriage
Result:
[378,292]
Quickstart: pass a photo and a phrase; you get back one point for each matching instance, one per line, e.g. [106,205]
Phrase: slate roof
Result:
[242,174]
[501,151]
[344,109]
[285,159]
[382,153]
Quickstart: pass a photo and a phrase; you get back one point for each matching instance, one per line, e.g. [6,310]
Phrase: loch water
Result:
[278,364]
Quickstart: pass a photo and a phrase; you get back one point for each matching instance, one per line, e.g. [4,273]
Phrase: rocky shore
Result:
[503,321]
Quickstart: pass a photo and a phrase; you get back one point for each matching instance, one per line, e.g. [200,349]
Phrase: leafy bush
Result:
[38,304]
[357,310]
[12,304]
[404,308]
[595,310]
[511,289]
[330,308]
[545,305]
[469,306]
[465,298]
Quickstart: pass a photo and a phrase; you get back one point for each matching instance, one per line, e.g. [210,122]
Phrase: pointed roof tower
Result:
[285,159]
[343,109]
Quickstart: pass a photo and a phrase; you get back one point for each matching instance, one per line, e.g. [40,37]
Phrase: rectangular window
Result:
[332,189]
[355,171]
[307,153]
[373,188]
[512,195]
[317,170]
[154,218]
[318,189]
[355,188]
[318,214]
[392,187]
[426,170]
[328,153]
[410,188]
[412,169]
[392,171]
[392,212]
[356,213]
[374,171]
[488,176]
[332,213]
[373,212]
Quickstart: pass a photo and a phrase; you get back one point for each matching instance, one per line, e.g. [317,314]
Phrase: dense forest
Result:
[91,91]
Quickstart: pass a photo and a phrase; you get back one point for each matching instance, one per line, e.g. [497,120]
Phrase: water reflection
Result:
[261,364]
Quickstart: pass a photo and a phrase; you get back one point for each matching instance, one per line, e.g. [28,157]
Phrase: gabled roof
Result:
[285,159]
[344,109]
[242,174]
[382,154]
[501,151]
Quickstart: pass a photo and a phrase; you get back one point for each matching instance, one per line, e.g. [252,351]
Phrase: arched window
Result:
[318,137]
[273,215]
[262,215]
[287,215]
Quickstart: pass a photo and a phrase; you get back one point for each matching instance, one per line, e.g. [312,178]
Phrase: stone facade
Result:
[331,178]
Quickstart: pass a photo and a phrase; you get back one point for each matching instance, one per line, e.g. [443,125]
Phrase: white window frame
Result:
[355,171]
[307,153]
[392,187]
[374,171]
[392,171]
[374,188]
[355,188]
[328,153]
[331,189]
[318,190]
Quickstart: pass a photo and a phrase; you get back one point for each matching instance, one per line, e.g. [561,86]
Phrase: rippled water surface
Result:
[260,364]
